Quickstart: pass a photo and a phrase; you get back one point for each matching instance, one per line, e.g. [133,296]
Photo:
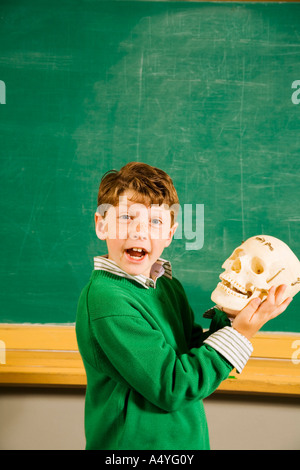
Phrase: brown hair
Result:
[150,185]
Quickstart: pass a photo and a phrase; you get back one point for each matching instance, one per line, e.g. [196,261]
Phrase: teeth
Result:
[233,284]
[230,291]
[138,250]
[234,288]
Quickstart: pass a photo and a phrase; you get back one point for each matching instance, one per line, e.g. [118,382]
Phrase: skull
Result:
[253,268]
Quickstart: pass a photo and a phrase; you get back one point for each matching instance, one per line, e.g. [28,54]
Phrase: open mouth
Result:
[232,287]
[136,254]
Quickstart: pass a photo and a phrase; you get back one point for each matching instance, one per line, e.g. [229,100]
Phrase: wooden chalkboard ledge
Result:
[47,355]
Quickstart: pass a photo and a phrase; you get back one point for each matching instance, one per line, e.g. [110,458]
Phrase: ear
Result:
[100,226]
[171,234]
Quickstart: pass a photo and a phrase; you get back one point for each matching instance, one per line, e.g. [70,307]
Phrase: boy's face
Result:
[130,226]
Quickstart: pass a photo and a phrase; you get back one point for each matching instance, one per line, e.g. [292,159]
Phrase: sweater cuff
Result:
[232,345]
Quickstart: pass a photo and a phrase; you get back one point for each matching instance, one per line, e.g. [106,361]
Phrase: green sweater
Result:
[146,364]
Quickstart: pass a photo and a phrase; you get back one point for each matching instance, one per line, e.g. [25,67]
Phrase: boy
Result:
[148,365]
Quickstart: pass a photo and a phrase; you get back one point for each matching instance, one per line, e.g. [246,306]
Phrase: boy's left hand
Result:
[257,313]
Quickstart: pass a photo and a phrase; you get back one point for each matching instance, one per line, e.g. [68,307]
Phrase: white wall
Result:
[239,422]
[53,419]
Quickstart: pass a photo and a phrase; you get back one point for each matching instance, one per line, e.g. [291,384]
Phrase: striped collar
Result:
[160,268]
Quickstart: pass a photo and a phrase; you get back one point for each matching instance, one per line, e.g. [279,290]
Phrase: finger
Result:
[253,304]
[274,296]
[279,293]
[252,307]
[271,295]
[282,307]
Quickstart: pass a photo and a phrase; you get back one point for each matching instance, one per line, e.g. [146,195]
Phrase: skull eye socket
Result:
[257,266]
[238,252]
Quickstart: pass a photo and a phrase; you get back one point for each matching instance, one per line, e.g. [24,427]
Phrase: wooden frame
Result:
[47,355]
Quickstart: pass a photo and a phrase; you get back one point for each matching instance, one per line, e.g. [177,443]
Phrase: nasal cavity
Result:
[236,266]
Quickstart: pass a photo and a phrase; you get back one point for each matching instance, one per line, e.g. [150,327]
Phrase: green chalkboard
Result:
[209,92]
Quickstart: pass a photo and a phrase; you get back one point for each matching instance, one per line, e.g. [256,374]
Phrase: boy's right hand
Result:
[250,320]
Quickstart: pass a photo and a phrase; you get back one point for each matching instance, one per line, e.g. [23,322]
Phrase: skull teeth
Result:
[230,291]
[234,288]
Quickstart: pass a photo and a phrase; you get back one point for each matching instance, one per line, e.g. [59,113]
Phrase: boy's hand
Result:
[250,320]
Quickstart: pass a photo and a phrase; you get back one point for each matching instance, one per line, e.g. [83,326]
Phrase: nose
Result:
[138,229]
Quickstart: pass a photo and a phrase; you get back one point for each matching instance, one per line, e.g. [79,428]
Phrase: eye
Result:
[124,217]
[257,266]
[156,221]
